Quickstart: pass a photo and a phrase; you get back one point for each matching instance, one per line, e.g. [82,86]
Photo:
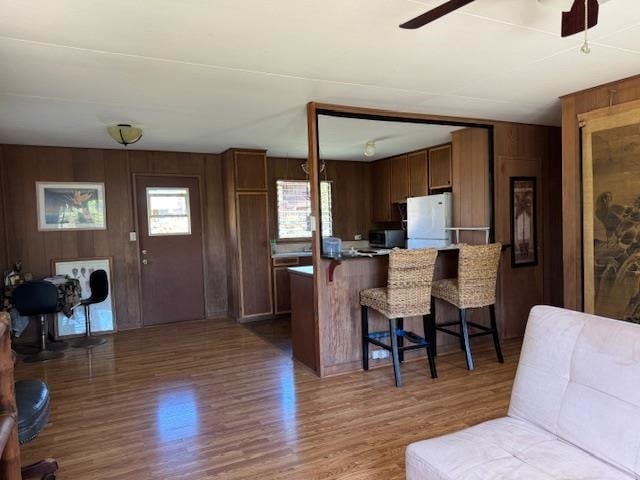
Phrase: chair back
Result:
[409,281]
[36,298]
[477,274]
[99,284]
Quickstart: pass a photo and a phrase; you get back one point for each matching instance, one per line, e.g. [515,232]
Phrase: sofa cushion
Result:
[578,378]
[506,449]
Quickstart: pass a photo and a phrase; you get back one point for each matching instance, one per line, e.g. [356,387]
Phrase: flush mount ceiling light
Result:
[125,134]
[370,148]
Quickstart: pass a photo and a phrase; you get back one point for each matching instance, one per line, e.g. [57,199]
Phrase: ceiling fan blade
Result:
[573,21]
[436,13]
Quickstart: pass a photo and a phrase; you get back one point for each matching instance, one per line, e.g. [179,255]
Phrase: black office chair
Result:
[38,299]
[99,284]
[32,403]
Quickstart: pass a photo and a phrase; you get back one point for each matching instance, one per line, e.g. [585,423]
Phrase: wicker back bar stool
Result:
[475,287]
[407,294]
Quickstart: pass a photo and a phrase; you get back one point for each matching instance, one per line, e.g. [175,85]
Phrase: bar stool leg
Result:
[432,328]
[401,340]
[494,328]
[394,351]
[464,337]
[365,336]
[428,336]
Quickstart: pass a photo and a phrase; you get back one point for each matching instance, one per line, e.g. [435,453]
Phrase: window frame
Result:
[298,239]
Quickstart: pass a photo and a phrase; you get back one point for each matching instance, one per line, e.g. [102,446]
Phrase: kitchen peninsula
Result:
[482,158]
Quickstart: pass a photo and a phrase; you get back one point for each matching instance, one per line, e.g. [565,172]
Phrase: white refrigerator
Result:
[427,219]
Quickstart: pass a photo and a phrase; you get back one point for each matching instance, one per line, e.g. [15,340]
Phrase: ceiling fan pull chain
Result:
[585,46]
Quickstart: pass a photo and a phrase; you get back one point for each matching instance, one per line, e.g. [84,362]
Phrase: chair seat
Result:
[447,290]
[32,401]
[377,298]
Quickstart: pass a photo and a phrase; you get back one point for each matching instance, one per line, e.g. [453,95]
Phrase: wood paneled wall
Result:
[22,166]
[528,150]
[614,93]
[350,193]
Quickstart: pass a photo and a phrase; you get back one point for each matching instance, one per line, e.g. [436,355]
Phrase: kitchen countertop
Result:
[307,271]
[303,253]
[348,255]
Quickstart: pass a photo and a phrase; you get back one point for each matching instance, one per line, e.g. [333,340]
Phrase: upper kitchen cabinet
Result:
[399,179]
[250,169]
[440,167]
[381,191]
[418,173]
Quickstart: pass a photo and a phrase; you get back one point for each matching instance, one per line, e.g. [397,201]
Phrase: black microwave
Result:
[387,238]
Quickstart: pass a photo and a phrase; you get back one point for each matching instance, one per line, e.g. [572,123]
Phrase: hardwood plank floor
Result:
[213,400]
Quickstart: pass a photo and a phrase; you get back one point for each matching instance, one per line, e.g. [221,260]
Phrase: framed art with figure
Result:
[611,211]
[524,243]
[71,206]
[103,319]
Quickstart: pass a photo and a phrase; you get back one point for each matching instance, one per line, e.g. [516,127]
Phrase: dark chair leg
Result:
[365,336]
[433,339]
[400,322]
[464,336]
[494,328]
[428,336]
[394,351]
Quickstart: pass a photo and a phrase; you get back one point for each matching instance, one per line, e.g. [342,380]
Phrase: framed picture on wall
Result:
[103,319]
[611,211]
[524,242]
[71,206]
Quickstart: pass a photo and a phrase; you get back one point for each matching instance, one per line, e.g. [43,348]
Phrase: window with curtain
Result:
[294,209]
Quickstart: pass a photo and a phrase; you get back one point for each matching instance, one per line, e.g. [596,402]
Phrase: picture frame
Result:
[611,211]
[523,206]
[70,206]
[103,317]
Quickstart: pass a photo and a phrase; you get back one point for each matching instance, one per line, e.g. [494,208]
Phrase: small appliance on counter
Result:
[427,221]
[331,246]
[387,238]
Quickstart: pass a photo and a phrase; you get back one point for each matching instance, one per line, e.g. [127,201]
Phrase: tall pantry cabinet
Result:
[246,205]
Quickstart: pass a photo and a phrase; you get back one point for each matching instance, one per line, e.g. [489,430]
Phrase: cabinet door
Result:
[381,191]
[440,167]
[281,290]
[251,170]
[399,179]
[255,264]
[418,180]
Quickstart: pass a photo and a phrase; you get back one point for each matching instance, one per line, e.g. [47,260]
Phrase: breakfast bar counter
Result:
[339,326]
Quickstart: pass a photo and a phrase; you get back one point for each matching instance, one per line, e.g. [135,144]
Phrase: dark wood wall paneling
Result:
[525,150]
[614,93]
[350,193]
[22,166]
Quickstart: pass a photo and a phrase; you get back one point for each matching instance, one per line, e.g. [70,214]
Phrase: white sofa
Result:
[574,412]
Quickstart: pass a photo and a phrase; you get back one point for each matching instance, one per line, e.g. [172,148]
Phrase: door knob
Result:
[144,252]
[145,261]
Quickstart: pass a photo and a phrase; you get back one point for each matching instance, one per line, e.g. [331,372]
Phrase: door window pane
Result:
[168,211]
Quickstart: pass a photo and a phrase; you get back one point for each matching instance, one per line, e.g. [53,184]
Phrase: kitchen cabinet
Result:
[440,167]
[381,191]
[249,287]
[418,173]
[250,170]
[399,189]
[281,281]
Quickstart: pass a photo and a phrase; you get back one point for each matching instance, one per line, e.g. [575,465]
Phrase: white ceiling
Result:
[204,75]
[346,138]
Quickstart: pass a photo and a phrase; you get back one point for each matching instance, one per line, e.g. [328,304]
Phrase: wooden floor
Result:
[213,399]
